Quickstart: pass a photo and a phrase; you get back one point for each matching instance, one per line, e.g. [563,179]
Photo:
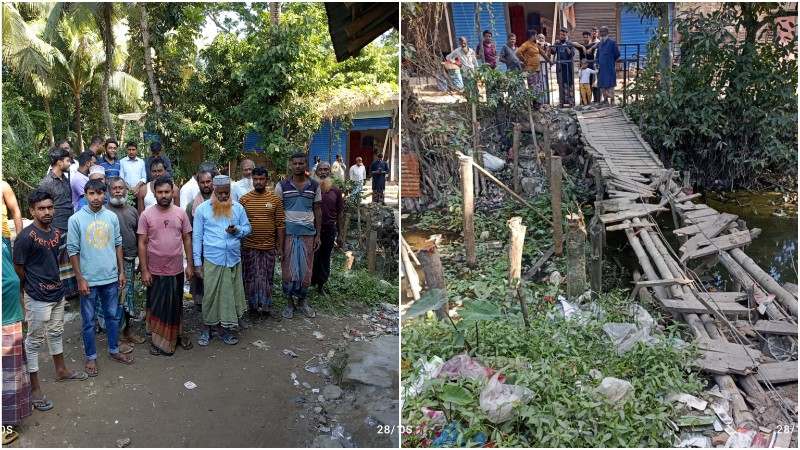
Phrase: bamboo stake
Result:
[555,195]
[517,230]
[466,164]
[434,274]
[576,255]
[411,273]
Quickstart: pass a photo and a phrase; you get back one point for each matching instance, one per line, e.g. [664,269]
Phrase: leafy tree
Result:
[730,112]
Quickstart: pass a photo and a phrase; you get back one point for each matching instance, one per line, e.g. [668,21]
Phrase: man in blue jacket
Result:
[607,56]
[94,244]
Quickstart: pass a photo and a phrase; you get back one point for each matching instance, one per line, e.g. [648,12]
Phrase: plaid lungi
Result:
[258,268]
[16,382]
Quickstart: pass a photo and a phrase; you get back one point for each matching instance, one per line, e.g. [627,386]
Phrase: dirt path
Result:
[245,396]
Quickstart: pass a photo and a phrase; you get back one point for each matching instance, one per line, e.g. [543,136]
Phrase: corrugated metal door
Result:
[588,15]
[464,23]
[375,123]
[635,30]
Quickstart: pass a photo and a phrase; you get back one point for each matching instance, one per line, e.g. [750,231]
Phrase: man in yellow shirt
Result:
[529,53]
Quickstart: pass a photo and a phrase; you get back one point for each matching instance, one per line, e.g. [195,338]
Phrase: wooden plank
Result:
[721,243]
[683,306]
[707,231]
[639,211]
[722,357]
[775,327]
[729,297]
[777,372]
[626,225]
[696,214]
[617,204]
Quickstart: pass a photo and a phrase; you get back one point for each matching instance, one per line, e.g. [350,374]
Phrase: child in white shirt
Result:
[585,83]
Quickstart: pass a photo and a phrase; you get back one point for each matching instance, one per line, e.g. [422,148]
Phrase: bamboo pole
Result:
[466,164]
[515,156]
[555,195]
[751,287]
[764,279]
[596,261]
[517,230]
[576,255]
[411,272]
[434,274]
[349,258]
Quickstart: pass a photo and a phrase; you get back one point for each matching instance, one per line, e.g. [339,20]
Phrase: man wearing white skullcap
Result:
[219,226]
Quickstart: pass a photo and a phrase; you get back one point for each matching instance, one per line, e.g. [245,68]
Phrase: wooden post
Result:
[548,152]
[410,272]
[596,262]
[515,263]
[372,246]
[687,181]
[346,230]
[515,156]
[349,258]
[555,195]
[480,183]
[434,274]
[469,209]
[576,256]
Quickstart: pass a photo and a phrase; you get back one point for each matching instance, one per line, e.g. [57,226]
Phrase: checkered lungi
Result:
[16,382]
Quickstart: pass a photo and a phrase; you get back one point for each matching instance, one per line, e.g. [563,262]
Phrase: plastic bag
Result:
[742,438]
[462,366]
[428,371]
[493,163]
[615,391]
[498,400]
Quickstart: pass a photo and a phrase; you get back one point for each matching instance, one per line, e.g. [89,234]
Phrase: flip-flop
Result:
[121,359]
[125,348]
[138,340]
[74,376]
[42,404]
[155,351]
[91,372]
[185,343]
[288,312]
[9,436]
[230,339]
[202,341]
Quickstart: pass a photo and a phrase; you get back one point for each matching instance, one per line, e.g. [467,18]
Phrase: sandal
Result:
[307,310]
[91,371]
[230,339]
[122,358]
[204,338]
[134,339]
[9,436]
[42,404]
[288,312]
[74,376]
[185,342]
[125,348]
[155,351]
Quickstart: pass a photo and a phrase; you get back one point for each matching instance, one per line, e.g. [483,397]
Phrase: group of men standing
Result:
[222,236]
[598,55]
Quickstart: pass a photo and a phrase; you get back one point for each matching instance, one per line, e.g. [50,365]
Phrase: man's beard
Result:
[325,184]
[205,194]
[221,209]
[116,201]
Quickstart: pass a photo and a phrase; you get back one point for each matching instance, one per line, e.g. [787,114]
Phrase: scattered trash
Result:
[428,371]
[306,385]
[318,409]
[498,400]
[782,348]
[260,344]
[761,440]
[315,391]
[448,437]
[695,421]
[190,385]
[319,335]
[567,309]
[122,443]
[332,392]
[742,438]
[434,417]
[289,353]
[294,379]
[625,336]
[344,438]
[694,440]
[555,278]
[493,163]
[615,391]
[689,400]
[721,408]
[462,366]
[319,369]
[372,422]
[595,374]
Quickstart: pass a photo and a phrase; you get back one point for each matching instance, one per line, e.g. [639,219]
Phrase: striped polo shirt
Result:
[265,213]
[299,206]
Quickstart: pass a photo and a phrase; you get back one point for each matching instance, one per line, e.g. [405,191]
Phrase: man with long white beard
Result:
[128,222]
[219,226]
[301,204]
[332,226]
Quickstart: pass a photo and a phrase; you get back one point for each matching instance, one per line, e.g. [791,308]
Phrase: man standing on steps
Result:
[337,169]
[109,160]
[244,185]
[36,264]
[206,188]
[332,227]
[378,171]
[156,153]
[219,226]
[128,223]
[358,172]
[301,202]
[607,56]
[265,212]
[132,168]
[94,244]
[164,238]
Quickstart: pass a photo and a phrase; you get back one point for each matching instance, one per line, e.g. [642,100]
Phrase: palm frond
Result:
[129,87]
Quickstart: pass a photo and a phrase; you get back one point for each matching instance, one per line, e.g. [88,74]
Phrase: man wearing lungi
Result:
[219,226]
[332,227]
[301,202]
[164,237]
[265,212]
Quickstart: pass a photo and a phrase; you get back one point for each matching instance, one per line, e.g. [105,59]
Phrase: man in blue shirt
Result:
[219,226]
[109,161]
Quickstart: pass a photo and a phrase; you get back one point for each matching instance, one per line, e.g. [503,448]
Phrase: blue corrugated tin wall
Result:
[321,139]
[375,123]
[464,23]
[635,30]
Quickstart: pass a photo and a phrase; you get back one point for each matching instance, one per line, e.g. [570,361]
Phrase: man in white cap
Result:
[219,226]
[96,172]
